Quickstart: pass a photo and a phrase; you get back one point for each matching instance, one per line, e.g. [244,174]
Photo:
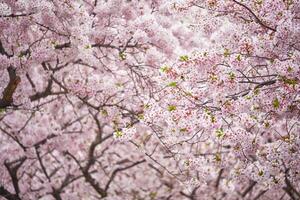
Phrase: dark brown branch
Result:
[290,193]
[255,16]
[16,15]
[43,141]
[88,177]
[8,195]
[14,80]
[14,138]
[260,194]
[114,173]
[192,196]
[43,94]
[52,30]
[185,195]
[249,188]
[219,178]
[12,168]
[247,91]
[30,81]
[56,195]
[290,189]
[62,46]
[94,184]
[41,163]
[91,158]
[2,50]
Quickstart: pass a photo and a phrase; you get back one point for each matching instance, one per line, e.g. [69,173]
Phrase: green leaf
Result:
[259,2]
[256,91]
[267,124]
[164,69]
[183,130]
[260,173]
[172,84]
[21,55]
[292,82]
[187,162]
[141,116]
[118,134]
[184,58]
[213,77]
[218,157]
[119,85]
[122,55]
[276,103]
[220,133]
[226,53]
[88,46]
[248,97]
[212,119]
[231,76]
[171,108]
[289,69]
[104,112]
[153,195]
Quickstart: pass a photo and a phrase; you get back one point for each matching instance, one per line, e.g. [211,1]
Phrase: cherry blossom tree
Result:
[229,113]
[124,99]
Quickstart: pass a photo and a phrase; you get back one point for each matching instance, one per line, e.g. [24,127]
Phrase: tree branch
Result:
[114,173]
[14,80]
[255,16]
